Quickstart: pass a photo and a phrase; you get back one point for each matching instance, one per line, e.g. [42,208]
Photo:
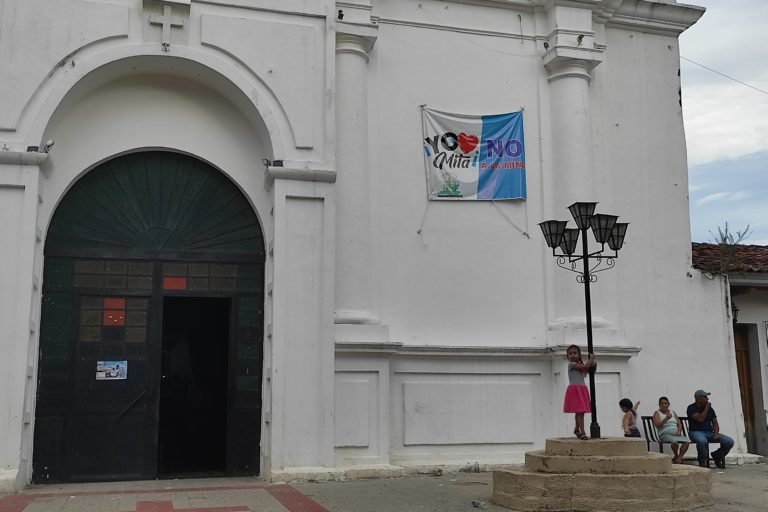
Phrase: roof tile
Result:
[733,258]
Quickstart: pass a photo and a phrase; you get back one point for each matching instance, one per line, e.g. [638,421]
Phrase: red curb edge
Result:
[293,500]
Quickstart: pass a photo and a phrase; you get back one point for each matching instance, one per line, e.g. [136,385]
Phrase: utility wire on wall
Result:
[723,75]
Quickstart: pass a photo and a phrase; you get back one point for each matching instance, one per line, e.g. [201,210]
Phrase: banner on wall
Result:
[477,158]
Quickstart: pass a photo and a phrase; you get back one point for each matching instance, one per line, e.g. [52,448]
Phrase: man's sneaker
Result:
[719,460]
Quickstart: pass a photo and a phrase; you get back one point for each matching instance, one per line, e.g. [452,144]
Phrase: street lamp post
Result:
[606,230]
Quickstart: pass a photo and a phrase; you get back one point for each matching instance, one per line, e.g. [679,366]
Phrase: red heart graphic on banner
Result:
[468,143]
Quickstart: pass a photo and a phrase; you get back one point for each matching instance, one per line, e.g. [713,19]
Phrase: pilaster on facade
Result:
[354,261]
[20,176]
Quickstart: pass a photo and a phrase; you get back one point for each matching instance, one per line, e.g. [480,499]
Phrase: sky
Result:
[726,123]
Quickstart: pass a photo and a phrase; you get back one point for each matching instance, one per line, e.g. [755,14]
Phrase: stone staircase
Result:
[610,474]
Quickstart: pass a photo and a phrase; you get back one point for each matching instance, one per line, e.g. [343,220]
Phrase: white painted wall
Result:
[456,283]
[466,365]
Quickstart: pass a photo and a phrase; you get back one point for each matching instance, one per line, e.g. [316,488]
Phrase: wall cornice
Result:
[648,16]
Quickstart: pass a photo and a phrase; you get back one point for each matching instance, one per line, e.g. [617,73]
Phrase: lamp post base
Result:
[594,431]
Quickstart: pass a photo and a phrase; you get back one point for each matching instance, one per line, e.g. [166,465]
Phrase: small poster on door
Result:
[111,370]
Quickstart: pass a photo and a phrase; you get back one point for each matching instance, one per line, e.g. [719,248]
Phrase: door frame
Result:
[250,259]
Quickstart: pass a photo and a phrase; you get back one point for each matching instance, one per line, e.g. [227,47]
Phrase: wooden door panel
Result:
[117,236]
[743,367]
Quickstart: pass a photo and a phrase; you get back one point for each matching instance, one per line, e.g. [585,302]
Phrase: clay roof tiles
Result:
[737,258]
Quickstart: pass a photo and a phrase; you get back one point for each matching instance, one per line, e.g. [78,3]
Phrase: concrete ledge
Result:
[312,474]
[374,471]
[307,474]
[607,446]
[744,458]
[649,463]
[425,468]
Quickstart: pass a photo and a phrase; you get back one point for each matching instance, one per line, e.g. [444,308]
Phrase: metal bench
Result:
[652,436]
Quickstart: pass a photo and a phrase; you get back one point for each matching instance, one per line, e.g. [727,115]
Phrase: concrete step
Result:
[682,488]
[648,463]
[606,446]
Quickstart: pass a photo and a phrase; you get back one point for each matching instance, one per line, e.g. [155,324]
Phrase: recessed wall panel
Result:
[355,406]
[468,409]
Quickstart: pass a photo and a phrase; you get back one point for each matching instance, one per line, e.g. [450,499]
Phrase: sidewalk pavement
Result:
[737,489]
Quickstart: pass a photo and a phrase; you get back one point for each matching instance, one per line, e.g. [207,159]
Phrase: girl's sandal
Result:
[577,433]
[583,436]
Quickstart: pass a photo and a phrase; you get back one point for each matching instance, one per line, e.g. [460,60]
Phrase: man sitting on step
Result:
[704,429]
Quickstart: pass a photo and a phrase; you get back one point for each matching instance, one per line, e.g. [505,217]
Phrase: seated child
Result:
[629,421]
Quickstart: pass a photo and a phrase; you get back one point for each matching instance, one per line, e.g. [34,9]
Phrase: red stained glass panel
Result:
[174,283]
[114,303]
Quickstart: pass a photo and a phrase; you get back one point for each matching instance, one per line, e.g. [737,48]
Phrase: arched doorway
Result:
[151,338]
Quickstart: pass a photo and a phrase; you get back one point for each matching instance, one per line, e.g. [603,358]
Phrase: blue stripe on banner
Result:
[502,157]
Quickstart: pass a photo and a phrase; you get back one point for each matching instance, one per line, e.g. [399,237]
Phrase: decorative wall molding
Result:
[551,352]
[640,15]
[22,158]
[301,174]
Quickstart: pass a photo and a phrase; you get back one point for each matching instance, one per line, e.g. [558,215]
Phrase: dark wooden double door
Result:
[151,342]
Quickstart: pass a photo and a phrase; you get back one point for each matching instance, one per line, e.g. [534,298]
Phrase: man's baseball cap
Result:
[701,392]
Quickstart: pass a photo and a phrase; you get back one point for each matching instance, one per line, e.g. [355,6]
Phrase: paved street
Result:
[738,489]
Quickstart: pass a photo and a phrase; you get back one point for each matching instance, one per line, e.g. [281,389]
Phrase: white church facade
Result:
[219,256]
